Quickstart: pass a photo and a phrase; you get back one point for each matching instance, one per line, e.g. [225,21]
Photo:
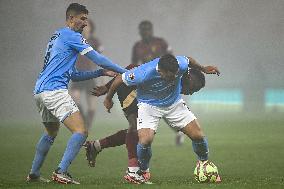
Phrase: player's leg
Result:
[75,124]
[51,124]
[147,124]
[199,141]
[91,105]
[94,147]
[179,140]
[131,141]
[42,149]
[184,120]
[63,107]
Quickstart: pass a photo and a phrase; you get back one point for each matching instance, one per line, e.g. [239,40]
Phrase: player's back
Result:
[151,88]
[61,54]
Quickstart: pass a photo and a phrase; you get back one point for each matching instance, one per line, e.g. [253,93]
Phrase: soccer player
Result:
[51,95]
[158,85]
[192,81]
[148,48]
[78,89]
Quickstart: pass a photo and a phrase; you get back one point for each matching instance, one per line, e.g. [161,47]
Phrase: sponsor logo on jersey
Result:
[131,76]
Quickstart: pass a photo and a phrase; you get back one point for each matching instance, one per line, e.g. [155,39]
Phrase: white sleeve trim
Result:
[124,79]
[86,50]
[188,61]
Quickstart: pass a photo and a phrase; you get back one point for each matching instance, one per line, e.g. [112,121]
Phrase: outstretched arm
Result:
[206,69]
[86,75]
[108,103]
[102,90]
[104,62]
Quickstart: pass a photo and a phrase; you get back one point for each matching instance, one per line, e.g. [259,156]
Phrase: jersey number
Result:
[47,54]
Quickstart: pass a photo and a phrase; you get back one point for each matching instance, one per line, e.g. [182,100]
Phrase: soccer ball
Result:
[206,172]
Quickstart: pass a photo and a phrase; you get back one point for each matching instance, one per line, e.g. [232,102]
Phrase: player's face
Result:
[146,32]
[86,32]
[79,22]
[167,75]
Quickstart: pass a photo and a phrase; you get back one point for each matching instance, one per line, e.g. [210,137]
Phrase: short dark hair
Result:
[169,63]
[75,9]
[145,24]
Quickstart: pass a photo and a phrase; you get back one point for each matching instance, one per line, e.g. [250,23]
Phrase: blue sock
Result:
[200,147]
[73,147]
[144,154]
[42,149]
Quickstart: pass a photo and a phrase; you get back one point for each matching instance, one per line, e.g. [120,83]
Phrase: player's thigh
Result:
[147,122]
[50,122]
[63,107]
[178,116]
[52,128]
[75,123]
[193,130]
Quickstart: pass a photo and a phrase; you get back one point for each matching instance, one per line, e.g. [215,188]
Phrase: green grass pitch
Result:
[248,152]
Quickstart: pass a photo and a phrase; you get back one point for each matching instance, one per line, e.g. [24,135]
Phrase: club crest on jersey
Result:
[84,40]
[131,76]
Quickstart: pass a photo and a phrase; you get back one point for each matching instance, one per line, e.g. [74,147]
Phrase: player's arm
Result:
[133,77]
[86,75]
[104,62]
[102,90]
[79,43]
[108,103]
[206,69]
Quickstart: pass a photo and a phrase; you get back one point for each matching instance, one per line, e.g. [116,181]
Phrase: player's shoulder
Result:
[137,44]
[66,33]
[159,40]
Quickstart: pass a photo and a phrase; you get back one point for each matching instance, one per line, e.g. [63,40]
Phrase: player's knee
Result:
[193,131]
[145,138]
[197,135]
[81,130]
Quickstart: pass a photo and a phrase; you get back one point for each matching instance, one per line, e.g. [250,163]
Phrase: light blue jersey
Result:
[60,57]
[62,52]
[151,88]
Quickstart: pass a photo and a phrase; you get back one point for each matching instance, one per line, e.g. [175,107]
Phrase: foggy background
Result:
[244,38]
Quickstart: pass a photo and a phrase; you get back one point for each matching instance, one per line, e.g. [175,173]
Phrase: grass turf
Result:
[248,152]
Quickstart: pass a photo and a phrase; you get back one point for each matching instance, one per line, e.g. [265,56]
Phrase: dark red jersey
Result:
[145,51]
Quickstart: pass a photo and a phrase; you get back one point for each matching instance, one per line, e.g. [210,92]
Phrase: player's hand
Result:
[211,70]
[108,103]
[99,90]
[109,73]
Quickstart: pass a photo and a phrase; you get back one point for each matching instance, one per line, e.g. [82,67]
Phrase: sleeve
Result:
[79,43]
[85,75]
[135,76]
[184,63]
[104,62]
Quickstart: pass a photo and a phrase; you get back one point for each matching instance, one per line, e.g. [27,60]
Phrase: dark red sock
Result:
[116,139]
[131,145]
